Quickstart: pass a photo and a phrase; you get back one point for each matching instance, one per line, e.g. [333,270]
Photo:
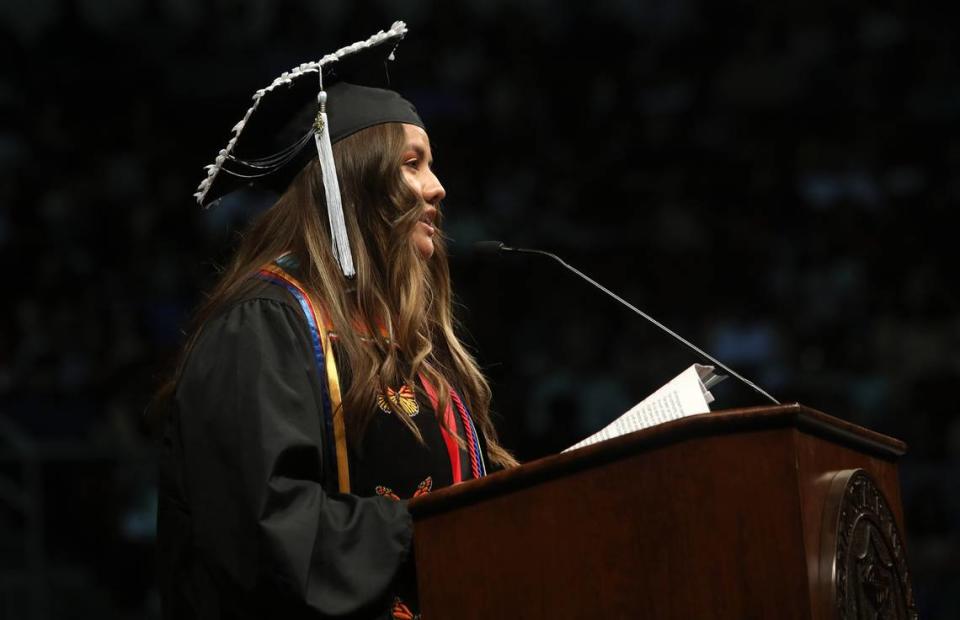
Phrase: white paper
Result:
[683,395]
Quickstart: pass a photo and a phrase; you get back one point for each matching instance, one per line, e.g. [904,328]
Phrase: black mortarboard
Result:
[300,115]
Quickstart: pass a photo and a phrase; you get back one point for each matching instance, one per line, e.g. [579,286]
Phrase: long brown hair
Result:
[395,289]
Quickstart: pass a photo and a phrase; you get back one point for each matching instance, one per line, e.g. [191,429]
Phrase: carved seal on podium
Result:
[863,563]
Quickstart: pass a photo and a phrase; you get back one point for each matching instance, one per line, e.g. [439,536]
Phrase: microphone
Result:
[491,248]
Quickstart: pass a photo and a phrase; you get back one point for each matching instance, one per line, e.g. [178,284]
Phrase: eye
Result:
[413,163]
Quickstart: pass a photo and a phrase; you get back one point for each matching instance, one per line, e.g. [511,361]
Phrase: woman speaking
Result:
[323,383]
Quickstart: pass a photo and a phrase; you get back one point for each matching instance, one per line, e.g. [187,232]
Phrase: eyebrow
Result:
[420,151]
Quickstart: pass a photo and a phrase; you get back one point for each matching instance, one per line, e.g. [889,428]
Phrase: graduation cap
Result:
[301,114]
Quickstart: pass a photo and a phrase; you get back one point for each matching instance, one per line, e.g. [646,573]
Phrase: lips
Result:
[428,218]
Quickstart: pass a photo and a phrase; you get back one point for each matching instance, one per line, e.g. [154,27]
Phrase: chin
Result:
[424,247]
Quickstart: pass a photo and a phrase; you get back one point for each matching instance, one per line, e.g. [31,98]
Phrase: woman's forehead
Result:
[416,137]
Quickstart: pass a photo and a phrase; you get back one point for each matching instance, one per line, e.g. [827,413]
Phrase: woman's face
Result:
[417,161]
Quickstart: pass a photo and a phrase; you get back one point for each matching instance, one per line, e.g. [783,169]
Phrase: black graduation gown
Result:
[250,523]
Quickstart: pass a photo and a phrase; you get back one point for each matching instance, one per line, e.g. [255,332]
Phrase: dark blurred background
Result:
[774,180]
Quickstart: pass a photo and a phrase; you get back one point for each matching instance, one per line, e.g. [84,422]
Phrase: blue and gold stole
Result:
[319,327]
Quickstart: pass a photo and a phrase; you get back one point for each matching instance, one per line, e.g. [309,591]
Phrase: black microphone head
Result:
[488,248]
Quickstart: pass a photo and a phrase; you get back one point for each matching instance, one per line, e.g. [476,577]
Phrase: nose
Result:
[433,191]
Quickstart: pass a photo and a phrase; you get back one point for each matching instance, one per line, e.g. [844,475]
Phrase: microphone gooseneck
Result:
[498,247]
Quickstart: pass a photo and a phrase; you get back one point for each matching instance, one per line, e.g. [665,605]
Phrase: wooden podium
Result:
[767,512]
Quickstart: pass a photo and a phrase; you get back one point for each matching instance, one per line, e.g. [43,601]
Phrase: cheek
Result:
[410,178]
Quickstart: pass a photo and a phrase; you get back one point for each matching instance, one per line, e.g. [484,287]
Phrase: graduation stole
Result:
[320,336]
[336,434]
[477,466]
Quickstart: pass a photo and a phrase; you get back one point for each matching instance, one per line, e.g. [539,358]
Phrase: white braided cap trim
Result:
[397,30]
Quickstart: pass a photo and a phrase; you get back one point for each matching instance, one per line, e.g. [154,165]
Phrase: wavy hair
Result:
[395,320]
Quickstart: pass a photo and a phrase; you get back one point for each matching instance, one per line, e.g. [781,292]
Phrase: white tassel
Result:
[338,228]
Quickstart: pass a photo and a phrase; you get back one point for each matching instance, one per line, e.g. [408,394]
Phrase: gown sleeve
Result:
[251,429]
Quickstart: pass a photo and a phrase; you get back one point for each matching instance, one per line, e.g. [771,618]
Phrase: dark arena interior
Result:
[772,180]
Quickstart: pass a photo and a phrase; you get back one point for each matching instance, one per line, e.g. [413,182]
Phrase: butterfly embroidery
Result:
[422,489]
[400,611]
[404,399]
[387,492]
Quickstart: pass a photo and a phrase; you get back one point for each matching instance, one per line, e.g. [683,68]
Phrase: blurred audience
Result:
[775,182]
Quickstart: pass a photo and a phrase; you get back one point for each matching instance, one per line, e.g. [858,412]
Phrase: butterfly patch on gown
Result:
[422,489]
[404,399]
[400,611]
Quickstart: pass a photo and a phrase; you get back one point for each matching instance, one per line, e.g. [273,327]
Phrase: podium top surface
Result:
[722,422]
